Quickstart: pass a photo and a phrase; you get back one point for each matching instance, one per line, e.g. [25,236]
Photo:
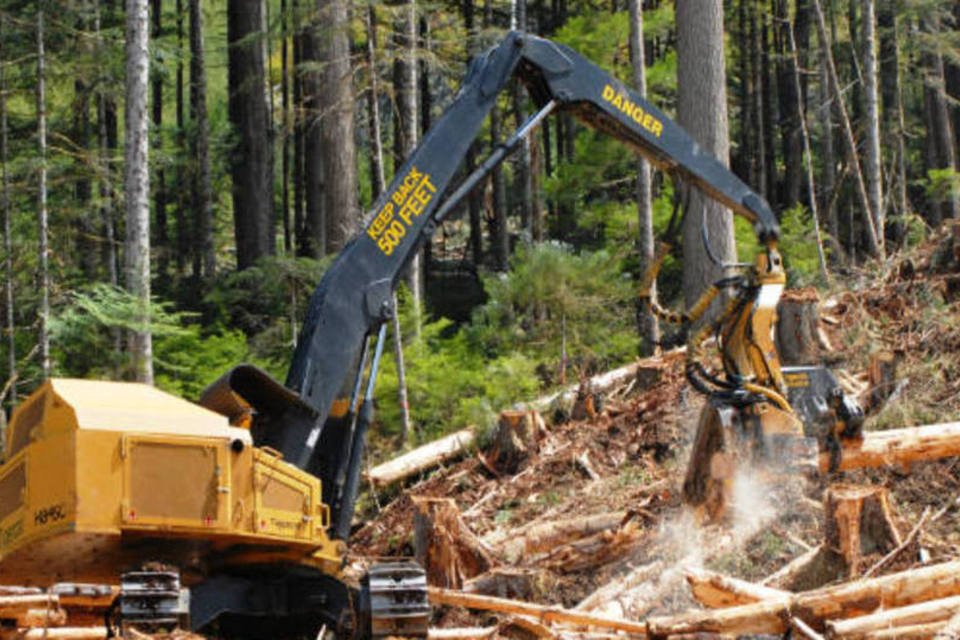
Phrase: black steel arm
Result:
[354,296]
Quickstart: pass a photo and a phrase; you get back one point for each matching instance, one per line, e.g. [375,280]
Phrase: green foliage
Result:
[450,383]
[798,240]
[553,297]
[942,185]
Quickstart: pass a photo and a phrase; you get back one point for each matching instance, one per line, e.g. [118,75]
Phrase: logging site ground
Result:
[589,517]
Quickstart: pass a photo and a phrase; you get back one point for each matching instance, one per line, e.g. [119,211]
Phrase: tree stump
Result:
[797,334]
[882,376]
[588,402]
[443,544]
[516,440]
[858,523]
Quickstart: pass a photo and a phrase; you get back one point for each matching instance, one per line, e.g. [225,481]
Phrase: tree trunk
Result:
[7,215]
[499,233]
[44,337]
[647,322]
[251,161]
[204,258]
[405,81]
[106,132]
[443,544]
[791,107]
[184,246]
[285,128]
[940,142]
[401,375]
[871,165]
[304,244]
[796,329]
[136,183]
[474,201]
[874,247]
[162,242]
[702,110]
[829,180]
[377,180]
[422,458]
[892,102]
[336,130]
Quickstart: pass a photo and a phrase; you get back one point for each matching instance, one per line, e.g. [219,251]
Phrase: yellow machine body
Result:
[101,476]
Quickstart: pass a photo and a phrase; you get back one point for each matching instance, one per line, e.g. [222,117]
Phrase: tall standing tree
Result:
[336,130]
[136,182]
[649,329]
[44,337]
[871,110]
[251,160]
[312,233]
[159,184]
[9,327]
[204,257]
[702,110]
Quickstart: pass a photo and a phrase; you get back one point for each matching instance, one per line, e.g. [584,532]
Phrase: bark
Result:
[497,216]
[377,181]
[544,613]
[921,613]
[182,174]
[406,95]
[845,600]
[717,591]
[401,375]
[44,251]
[647,322]
[204,258]
[792,95]
[107,140]
[874,247]
[302,243]
[136,183]
[162,240]
[829,179]
[872,160]
[251,160]
[336,107]
[702,111]
[7,218]
[474,201]
[421,459]
[796,329]
[899,446]
[286,127]
[892,102]
[312,237]
[858,522]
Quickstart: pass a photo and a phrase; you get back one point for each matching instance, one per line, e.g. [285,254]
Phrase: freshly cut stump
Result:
[516,440]
[443,544]
[797,335]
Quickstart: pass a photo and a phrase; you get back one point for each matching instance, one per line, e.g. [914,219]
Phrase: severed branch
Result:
[716,590]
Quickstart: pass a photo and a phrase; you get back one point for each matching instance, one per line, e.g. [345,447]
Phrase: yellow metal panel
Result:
[285,499]
[175,483]
[26,421]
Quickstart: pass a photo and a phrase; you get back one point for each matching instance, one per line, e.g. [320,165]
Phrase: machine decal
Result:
[48,515]
[407,202]
[635,111]
[11,533]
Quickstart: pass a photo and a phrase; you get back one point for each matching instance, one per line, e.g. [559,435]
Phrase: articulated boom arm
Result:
[355,296]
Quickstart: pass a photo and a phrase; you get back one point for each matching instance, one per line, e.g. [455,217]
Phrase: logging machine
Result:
[251,495]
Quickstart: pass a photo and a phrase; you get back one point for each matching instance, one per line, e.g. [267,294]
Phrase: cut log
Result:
[841,601]
[951,630]
[515,441]
[542,613]
[42,618]
[13,606]
[549,535]
[443,544]
[857,523]
[59,633]
[503,583]
[898,446]
[620,585]
[911,632]
[463,633]
[797,323]
[921,613]
[715,590]
[422,458]
[786,577]
[592,551]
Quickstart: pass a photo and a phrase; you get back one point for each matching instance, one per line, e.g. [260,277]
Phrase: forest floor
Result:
[623,466]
